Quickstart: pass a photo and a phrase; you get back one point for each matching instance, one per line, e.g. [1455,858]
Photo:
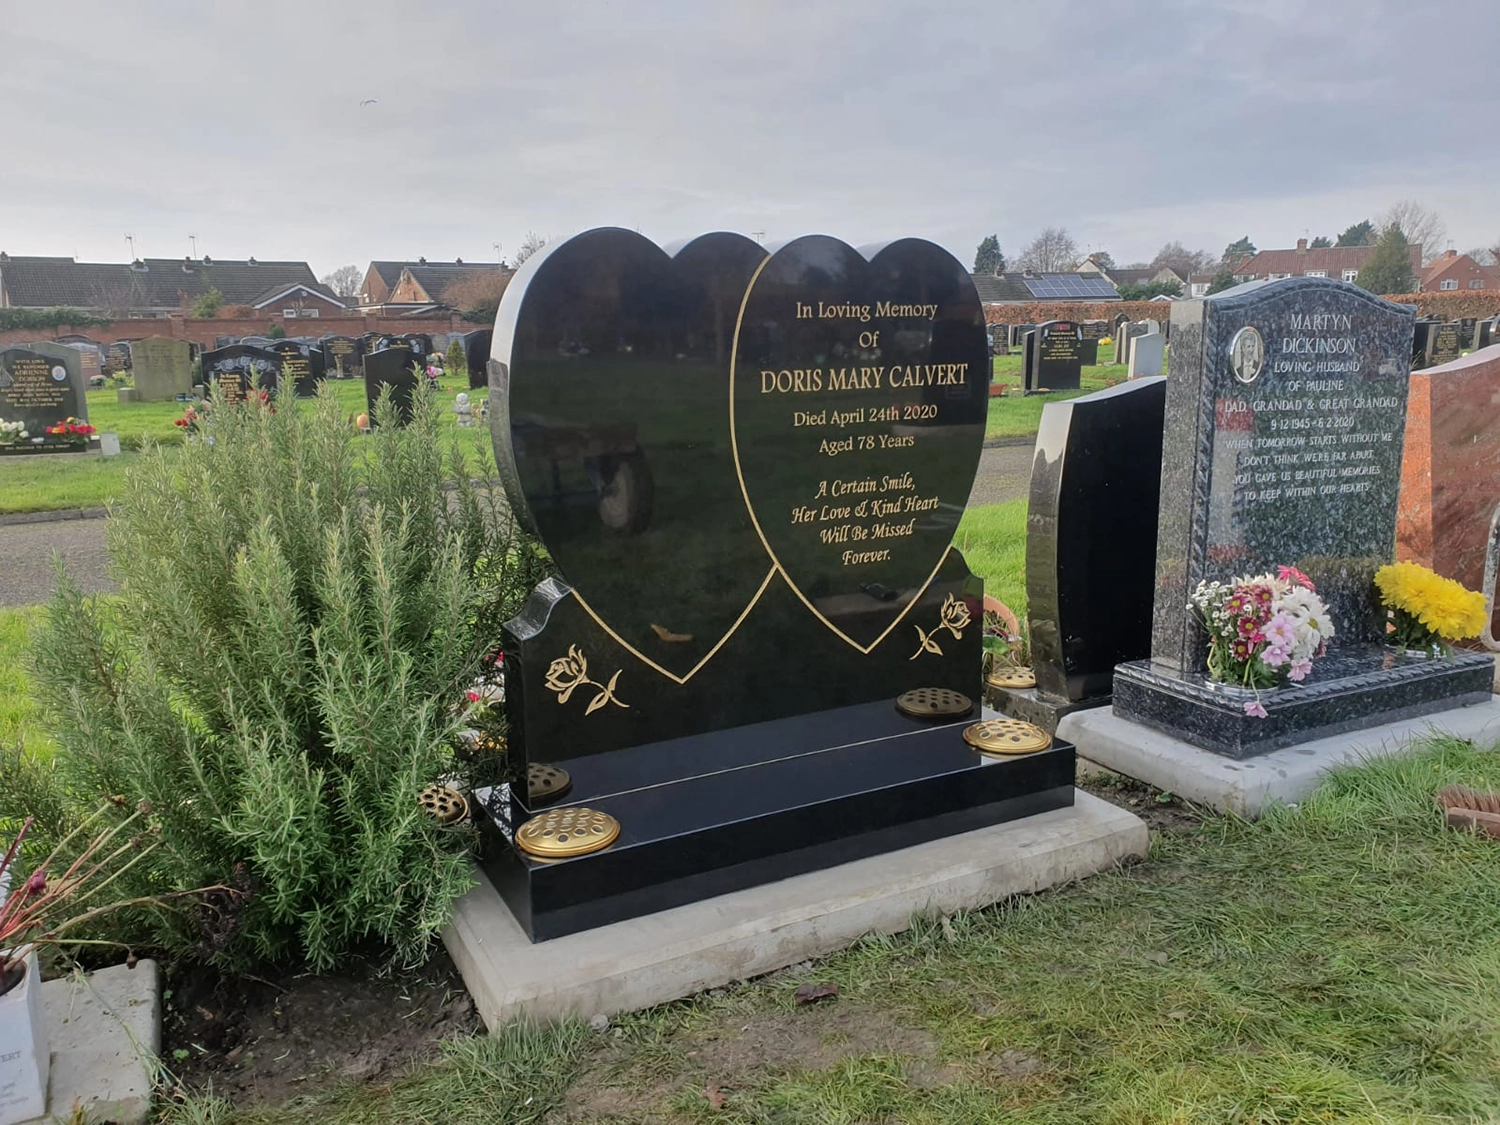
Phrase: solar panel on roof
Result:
[1069,285]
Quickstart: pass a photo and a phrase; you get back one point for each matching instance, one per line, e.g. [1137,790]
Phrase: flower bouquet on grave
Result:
[192,417]
[12,433]
[71,429]
[1425,612]
[1264,631]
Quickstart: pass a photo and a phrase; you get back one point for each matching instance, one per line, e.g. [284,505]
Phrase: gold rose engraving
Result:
[952,616]
[568,673]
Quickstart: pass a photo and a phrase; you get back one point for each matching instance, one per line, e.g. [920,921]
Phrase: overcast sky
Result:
[1130,122]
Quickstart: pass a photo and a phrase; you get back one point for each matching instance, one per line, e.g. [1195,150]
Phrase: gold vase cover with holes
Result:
[562,833]
[444,805]
[934,703]
[546,783]
[1007,736]
[1011,678]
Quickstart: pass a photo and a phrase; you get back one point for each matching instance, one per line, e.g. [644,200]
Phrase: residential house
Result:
[1024,287]
[413,287]
[157,287]
[1342,263]
[1454,271]
[1118,275]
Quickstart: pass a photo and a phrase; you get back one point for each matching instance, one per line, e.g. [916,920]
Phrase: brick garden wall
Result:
[1479,304]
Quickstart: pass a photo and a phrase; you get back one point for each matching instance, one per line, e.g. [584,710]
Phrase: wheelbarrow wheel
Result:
[627,494]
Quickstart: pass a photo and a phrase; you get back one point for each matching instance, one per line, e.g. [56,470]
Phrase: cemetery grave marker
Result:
[476,347]
[1146,355]
[239,369]
[393,367]
[117,358]
[748,470]
[301,365]
[1053,357]
[1093,331]
[163,368]
[41,385]
[1285,414]
[343,357]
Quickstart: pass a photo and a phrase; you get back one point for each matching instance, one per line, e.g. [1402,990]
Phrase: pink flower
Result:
[1292,574]
[472,696]
[37,884]
[1275,656]
[1255,710]
[1300,669]
[1281,632]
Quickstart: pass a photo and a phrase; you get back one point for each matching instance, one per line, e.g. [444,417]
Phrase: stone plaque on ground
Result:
[393,367]
[1450,470]
[41,385]
[1286,410]
[1054,361]
[1147,354]
[163,368]
[1093,510]
[239,369]
[343,357]
[748,472]
[301,365]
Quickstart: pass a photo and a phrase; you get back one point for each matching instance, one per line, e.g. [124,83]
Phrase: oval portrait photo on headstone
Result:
[59,373]
[1247,354]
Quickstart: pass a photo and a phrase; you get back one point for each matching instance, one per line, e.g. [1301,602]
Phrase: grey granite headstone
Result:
[1286,413]
[163,368]
[1146,355]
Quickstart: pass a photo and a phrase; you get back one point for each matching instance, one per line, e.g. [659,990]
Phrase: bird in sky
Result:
[367,101]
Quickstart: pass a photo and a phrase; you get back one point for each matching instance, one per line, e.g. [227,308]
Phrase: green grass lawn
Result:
[17,710]
[1337,962]
[1016,416]
[48,482]
[993,541]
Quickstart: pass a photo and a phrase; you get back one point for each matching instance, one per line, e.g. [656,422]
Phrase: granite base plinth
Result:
[1351,689]
[1030,705]
[782,798]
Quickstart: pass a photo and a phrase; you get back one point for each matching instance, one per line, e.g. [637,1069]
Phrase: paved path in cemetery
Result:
[1004,474]
[26,549]
[26,569]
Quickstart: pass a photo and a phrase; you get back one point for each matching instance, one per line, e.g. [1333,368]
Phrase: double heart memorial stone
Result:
[748,470]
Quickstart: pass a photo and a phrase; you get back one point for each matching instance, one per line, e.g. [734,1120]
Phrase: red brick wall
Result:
[1479,303]
[204,331]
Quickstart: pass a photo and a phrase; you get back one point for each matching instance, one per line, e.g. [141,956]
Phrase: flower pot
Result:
[23,1048]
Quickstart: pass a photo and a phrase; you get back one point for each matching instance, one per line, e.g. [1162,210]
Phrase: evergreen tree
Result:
[1322,242]
[988,259]
[1237,251]
[1361,233]
[1389,268]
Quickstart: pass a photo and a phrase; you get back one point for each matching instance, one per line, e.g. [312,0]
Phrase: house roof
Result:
[1012,287]
[1334,260]
[1461,268]
[276,292]
[433,277]
[1003,287]
[155,283]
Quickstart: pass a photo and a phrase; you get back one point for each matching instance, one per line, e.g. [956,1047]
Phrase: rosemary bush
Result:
[300,610]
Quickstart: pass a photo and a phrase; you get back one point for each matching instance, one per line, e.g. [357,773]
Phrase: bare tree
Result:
[1486,255]
[345,281]
[1052,251]
[478,295]
[1421,226]
[1178,258]
[529,246]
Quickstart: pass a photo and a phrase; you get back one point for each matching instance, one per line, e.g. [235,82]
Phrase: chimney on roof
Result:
[251,262]
[1450,254]
[1302,246]
[458,261]
[4,257]
[207,261]
[421,261]
[187,263]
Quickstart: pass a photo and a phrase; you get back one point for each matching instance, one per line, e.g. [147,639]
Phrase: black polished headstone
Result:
[1485,334]
[476,347]
[240,369]
[398,368]
[343,357]
[41,385]
[117,358]
[1286,411]
[301,365]
[748,471]
[1088,349]
[1444,343]
[1018,334]
[1053,357]
[1095,485]
[1466,326]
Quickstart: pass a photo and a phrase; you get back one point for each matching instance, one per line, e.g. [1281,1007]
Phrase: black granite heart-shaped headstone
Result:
[610,415]
[859,390]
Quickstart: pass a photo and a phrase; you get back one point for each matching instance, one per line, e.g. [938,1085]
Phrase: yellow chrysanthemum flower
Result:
[1444,606]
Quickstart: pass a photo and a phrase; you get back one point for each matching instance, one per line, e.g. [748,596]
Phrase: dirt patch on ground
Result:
[263,1041]
[1162,812]
[736,1049]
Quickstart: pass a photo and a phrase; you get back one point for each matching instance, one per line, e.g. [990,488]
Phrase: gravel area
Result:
[1004,474]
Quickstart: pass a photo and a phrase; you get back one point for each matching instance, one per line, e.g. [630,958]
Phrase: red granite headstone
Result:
[1450,472]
